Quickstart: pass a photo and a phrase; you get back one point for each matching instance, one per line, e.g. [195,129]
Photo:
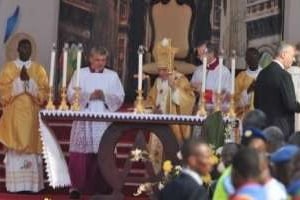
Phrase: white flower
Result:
[179,155]
[160,186]
[136,155]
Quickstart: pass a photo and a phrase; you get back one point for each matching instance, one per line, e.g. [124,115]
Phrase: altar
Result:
[121,123]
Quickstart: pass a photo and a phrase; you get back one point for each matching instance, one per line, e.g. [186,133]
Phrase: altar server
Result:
[212,77]
[101,91]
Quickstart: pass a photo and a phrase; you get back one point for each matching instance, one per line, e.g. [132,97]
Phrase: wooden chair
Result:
[172,19]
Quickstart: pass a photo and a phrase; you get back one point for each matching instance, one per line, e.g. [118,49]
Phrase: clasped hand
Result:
[24,75]
[97,95]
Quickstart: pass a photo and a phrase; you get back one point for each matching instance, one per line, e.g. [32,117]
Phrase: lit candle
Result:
[220,73]
[79,56]
[204,74]
[52,65]
[65,65]
[233,72]
[140,70]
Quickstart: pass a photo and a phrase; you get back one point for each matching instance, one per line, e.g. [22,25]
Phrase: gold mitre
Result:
[164,54]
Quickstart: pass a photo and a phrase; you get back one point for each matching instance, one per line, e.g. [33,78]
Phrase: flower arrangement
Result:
[229,132]
[169,173]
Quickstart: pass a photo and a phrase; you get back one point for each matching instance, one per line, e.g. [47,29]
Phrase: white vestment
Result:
[212,77]
[295,73]
[86,135]
[23,172]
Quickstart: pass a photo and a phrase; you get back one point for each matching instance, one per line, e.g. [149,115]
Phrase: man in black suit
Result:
[274,91]
[189,185]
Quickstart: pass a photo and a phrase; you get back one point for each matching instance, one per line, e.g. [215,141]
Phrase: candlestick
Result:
[231,113]
[202,111]
[220,72]
[204,74]
[75,104]
[233,59]
[63,104]
[140,69]
[52,65]
[218,102]
[50,105]
[139,103]
[79,56]
[65,64]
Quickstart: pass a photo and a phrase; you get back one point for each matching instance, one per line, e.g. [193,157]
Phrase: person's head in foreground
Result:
[285,54]
[24,50]
[98,58]
[254,138]
[228,152]
[252,58]
[255,119]
[197,156]
[295,139]
[293,187]
[275,138]
[282,159]
[246,175]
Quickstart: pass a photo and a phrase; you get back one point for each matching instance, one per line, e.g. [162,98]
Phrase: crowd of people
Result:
[262,167]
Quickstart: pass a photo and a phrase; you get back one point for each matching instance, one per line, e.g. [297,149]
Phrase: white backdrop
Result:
[292,21]
[39,18]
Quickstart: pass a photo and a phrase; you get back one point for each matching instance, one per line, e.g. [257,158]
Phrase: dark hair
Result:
[246,163]
[188,148]
[228,152]
[201,42]
[253,52]
[255,119]
[275,137]
[212,48]
[295,139]
[23,42]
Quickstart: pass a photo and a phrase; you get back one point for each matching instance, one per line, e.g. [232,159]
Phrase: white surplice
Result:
[212,77]
[295,73]
[86,135]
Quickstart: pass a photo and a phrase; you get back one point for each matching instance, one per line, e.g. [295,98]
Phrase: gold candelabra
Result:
[139,103]
[202,110]
[231,113]
[50,105]
[218,102]
[63,104]
[75,104]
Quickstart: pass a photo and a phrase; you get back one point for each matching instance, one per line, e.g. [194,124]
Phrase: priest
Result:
[171,92]
[245,81]
[24,89]
[101,91]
